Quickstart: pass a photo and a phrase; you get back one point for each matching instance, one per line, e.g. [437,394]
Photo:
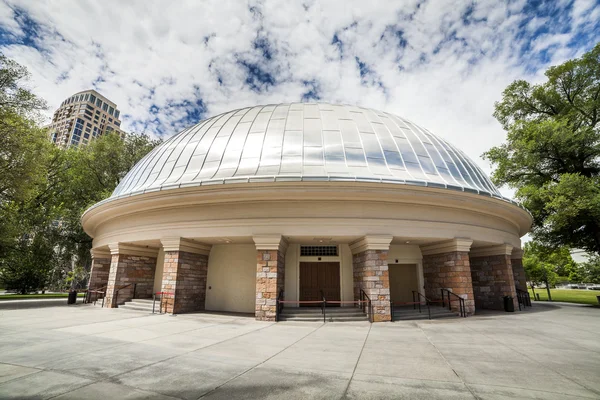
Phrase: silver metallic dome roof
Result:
[305,142]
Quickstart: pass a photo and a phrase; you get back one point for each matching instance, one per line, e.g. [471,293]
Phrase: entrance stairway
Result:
[408,313]
[139,305]
[314,314]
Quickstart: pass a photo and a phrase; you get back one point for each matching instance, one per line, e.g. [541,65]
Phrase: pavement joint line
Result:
[448,363]
[111,379]
[21,377]
[543,365]
[357,361]
[260,363]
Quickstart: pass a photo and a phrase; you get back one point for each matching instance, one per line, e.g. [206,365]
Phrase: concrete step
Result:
[329,318]
[135,307]
[317,310]
[405,314]
[319,315]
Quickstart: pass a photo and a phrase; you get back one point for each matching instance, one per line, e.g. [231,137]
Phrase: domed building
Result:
[300,202]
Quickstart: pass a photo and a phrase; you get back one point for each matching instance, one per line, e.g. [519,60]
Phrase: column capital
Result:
[270,242]
[100,253]
[133,250]
[189,246]
[496,250]
[371,242]
[516,253]
[448,246]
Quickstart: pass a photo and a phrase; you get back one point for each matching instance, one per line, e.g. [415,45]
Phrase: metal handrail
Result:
[323,306]
[278,305]
[363,295]
[461,302]
[116,298]
[427,301]
[96,291]
[523,297]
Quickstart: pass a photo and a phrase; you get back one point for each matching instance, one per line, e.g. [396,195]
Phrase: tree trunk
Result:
[548,290]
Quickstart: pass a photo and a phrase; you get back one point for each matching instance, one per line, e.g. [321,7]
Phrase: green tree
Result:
[44,190]
[586,272]
[552,153]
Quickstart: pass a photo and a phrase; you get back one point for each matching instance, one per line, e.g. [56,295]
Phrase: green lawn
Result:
[569,295]
[36,296]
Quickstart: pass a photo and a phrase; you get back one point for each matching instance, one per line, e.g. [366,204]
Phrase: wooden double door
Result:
[319,276]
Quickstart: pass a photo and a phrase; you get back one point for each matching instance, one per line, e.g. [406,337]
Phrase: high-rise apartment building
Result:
[83,117]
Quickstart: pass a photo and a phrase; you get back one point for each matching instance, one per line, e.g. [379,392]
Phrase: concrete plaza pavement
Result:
[84,352]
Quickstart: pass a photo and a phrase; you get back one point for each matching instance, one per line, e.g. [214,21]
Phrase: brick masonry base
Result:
[270,270]
[126,269]
[492,280]
[519,273]
[184,275]
[371,274]
[451,271]
[99,273]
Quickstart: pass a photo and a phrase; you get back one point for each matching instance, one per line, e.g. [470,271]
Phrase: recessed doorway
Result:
[319,276]
[403,280]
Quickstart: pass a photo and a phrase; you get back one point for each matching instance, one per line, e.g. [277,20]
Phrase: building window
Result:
[118,123]
[92,98]
[76,137]
[117,113]
[98,103]
[111,110]
[104,107]
[110,120]
[87,97]
[321,251]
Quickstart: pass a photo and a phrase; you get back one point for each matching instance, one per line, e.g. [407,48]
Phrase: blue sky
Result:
[168,64]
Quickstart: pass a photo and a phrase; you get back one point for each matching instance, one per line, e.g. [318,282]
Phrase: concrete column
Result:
[493,276]
[101,259]
[270,274]
[184,275]
[516,260]
[371,274]
[446,266]
[130,265]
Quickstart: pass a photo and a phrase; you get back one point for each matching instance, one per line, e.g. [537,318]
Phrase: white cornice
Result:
[132,250]
[371,242]
[270,242]
[189,246]
[496,250]
[100,253]
[456,244]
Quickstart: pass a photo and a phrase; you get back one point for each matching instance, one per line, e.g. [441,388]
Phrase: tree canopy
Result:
[552,153]
[44,190]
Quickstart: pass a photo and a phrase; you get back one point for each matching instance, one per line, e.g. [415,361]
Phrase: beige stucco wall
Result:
[291,274]
[347,275]
[158,274]
[231,278]
[408,254]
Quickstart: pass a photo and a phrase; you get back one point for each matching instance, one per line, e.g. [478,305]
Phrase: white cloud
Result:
[454,61]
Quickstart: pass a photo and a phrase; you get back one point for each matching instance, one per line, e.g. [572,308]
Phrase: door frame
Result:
[317,259]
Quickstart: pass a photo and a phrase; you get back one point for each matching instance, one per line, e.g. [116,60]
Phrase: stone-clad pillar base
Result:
[371,273]
[516,260]
[184,275]
[446,266]
[270,274]
[101,260]
[130,265]
[493,277]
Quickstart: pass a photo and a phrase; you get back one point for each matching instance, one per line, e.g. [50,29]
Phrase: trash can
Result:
[72,297]
[509,305]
